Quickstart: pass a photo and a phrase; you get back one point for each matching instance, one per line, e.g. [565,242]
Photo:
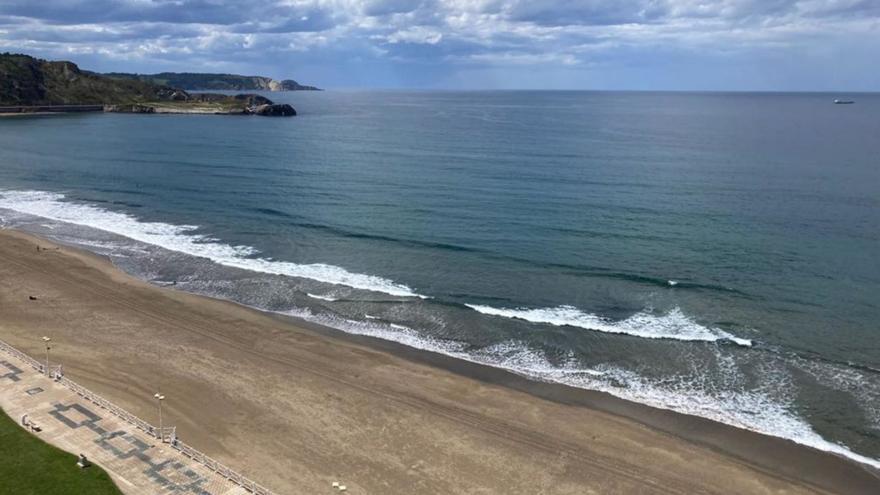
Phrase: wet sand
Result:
[296,406]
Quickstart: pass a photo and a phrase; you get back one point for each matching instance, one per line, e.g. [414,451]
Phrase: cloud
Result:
[415,34]
[585,12]
[387,7]
[403,37]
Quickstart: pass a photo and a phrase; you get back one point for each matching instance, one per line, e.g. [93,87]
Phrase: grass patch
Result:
[30,466]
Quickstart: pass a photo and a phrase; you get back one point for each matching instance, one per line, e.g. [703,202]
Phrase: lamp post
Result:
[48,347]
[159,398]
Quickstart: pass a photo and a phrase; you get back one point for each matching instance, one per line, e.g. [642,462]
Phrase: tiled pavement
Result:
[138,463]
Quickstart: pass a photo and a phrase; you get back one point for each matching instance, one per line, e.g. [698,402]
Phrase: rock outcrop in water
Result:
[270,110]
[31,84]
[252,100]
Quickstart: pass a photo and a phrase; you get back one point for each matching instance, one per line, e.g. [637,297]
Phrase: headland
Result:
[33,86]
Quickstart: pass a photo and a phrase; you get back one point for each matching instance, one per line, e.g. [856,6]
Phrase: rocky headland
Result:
[31,85]
[208,103]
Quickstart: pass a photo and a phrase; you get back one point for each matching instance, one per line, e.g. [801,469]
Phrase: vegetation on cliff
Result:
[25,80]
[222,82]
[28,81]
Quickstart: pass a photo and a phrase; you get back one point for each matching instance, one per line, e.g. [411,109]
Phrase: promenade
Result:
[139,463]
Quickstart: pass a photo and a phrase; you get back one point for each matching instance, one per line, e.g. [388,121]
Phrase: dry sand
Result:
[297,407]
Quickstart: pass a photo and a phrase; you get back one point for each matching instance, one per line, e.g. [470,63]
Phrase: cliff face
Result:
[291,85]
[225,82]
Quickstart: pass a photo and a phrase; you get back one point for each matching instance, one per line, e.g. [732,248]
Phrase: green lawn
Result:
[30,466]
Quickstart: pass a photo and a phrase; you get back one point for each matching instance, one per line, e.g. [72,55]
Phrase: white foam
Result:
[322,298]
[673,325]
[392,332]
[112,248]
[182,239]
[519,358]
[748,409]
[752,410]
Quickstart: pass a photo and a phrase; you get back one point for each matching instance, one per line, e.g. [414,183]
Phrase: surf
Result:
[746,409]
[673,325]
[185,239]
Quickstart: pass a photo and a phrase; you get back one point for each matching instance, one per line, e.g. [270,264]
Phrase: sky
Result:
[770,45]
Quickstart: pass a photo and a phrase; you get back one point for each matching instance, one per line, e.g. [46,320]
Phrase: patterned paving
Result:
[138,463]
[171,474]
[11,371]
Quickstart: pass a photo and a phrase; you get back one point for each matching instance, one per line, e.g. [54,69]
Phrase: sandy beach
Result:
[297,407]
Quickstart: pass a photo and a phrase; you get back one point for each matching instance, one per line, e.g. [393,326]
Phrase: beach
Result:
[563,248]
[297,406]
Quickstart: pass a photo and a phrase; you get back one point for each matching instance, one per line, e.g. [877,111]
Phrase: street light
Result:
[47,340]
[159,398]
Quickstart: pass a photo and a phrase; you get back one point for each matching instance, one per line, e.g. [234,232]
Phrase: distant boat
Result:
[843,102]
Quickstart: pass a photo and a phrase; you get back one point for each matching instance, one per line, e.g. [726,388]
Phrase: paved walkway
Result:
[138,463]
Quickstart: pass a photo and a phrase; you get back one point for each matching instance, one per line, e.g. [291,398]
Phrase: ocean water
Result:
[714,254]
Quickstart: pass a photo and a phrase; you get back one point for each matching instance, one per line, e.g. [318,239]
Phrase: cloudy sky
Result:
[577,44]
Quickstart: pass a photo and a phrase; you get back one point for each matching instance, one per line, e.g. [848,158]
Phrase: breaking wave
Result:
[321,298]
[767,413]
[673,325]
[754,410]
[183,239]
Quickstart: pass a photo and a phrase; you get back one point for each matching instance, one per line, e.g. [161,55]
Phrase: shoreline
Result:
[756,449]
[772,456]
[155,110]
[150,108]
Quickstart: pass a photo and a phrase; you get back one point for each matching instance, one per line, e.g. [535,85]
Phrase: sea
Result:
[716,254]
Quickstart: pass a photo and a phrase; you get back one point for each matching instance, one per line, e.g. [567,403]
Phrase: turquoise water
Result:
[716,254]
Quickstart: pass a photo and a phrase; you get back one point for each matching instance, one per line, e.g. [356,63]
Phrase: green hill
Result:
[25,80]
[31,83]
[228,82]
